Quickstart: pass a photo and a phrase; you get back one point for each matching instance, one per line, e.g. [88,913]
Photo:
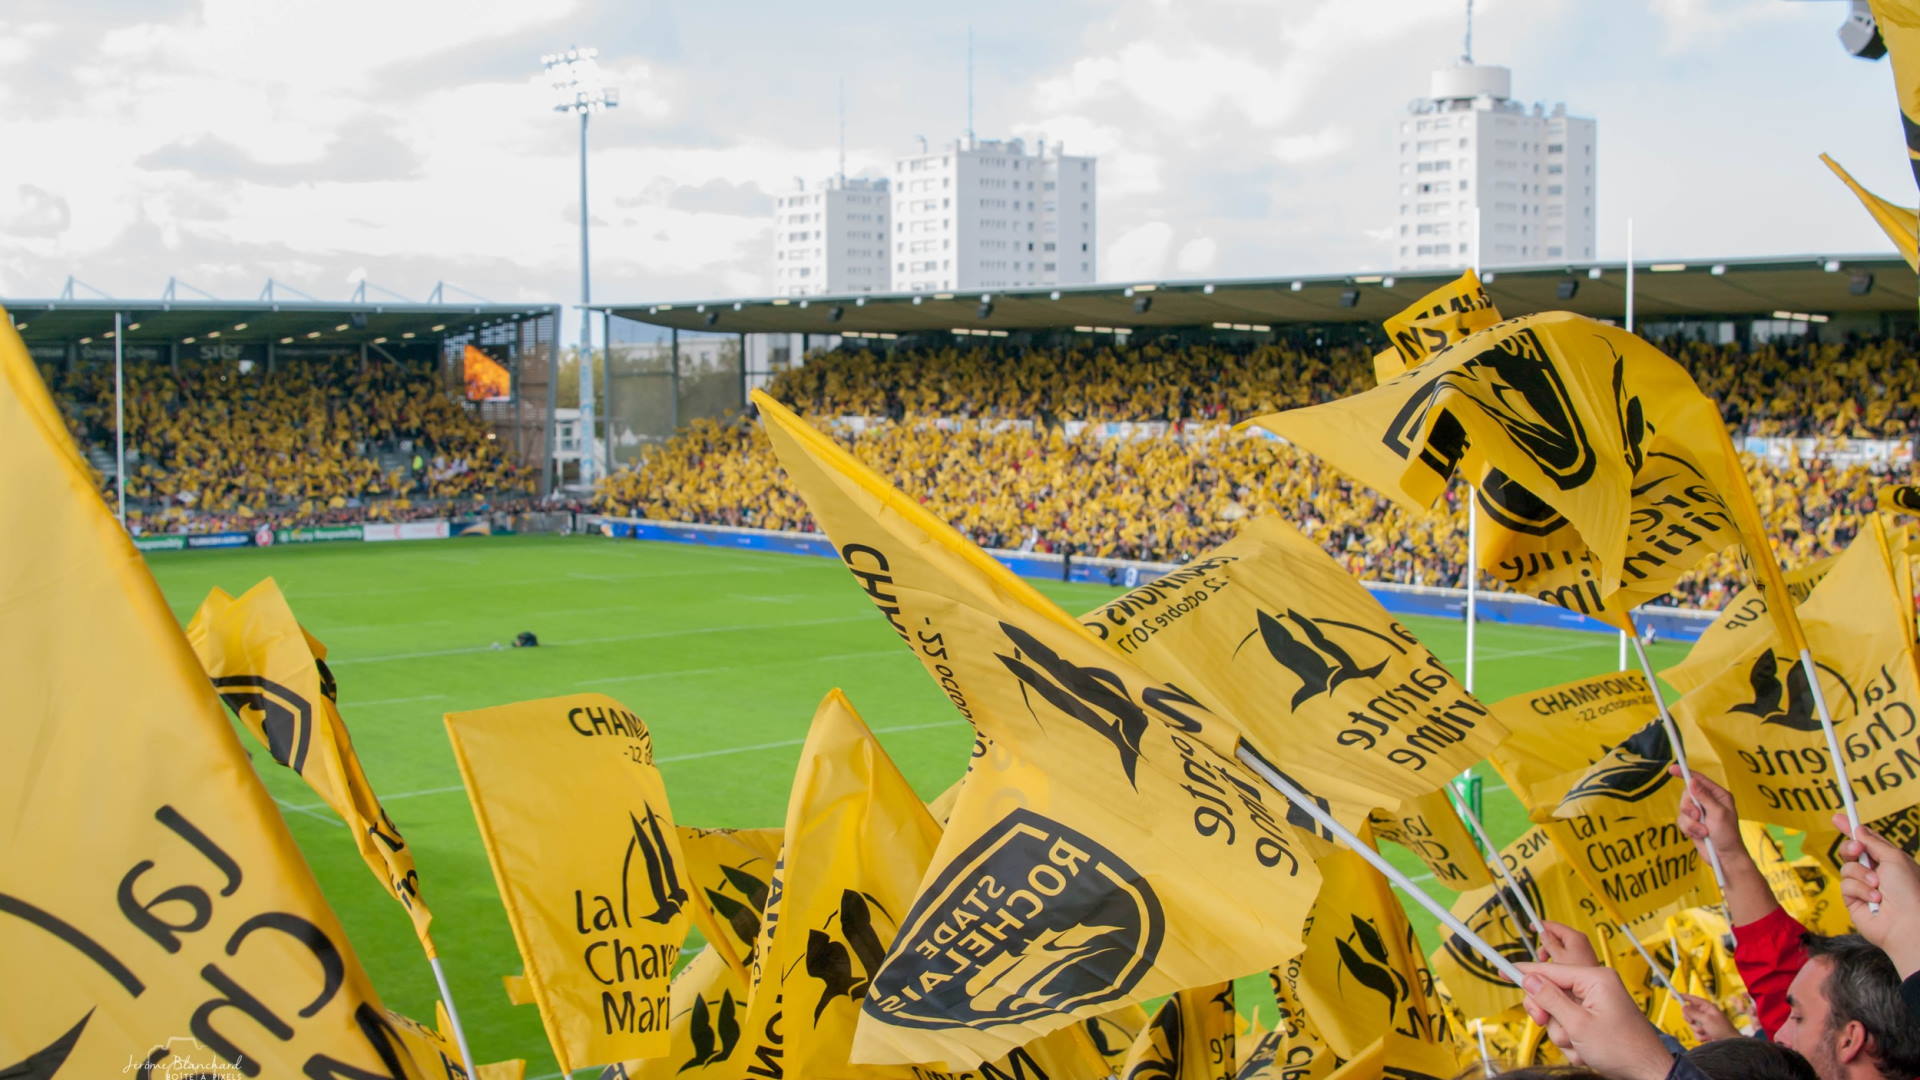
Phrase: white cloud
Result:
[1196,255]
[1140,254]
[1300,149]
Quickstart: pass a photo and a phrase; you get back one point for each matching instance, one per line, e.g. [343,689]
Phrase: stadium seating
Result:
[315,441]
[982,437]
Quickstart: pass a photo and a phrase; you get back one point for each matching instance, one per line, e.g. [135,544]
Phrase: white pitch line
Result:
[697,755]
[895,651]
[650,635]
[312,811]
[391,701]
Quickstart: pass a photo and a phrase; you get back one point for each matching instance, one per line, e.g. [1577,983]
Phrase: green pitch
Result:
[723,653]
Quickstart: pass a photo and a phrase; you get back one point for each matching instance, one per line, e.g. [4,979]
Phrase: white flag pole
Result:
[1374,859]
[1497,864]
[453,1015]
[1623,633]
[1833,753]
[1486,1059]
[1673,739]
[1665,982]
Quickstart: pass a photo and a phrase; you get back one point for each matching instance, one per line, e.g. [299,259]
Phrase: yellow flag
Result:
[1361,975]
[1431,828]
[434,1053]
[1760,716]
[1396,1057]
[1639,870]
[576,824]
[1741,627]
[708,1041]
[1191,1037]
[1105,848]
[1558,732]
[1901,225]
[1900,498]
[728,871]
[1267,626]
[1295,1048]
[1899,23]
[1456,310]
[1555,891]
[1901,829]
[1557,420]
[502,1070]
[274,677]
[150,886]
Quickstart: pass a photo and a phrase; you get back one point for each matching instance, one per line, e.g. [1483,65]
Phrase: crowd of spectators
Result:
[214,445]
[981,437]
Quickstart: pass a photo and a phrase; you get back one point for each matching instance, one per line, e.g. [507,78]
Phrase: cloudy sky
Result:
[409,141]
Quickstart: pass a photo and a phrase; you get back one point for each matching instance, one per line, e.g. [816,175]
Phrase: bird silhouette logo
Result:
[713,1030]
[661,877]
[1788,703]
[845,966]
[1305,646]
[1364,958]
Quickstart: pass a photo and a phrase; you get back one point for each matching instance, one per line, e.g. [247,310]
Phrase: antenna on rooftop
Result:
[1468,57]
[843,129]
[969,86]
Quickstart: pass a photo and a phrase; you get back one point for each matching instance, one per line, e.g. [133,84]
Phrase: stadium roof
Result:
[1817,284]
[243,322]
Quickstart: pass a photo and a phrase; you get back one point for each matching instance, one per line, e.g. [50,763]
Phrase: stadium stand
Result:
[1126,453]
[210,447]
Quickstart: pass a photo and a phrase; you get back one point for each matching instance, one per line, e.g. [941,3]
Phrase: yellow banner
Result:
[1431,828]
[1632,780]
[1106,846]
[1558,732]
[1741,627]
[1454,311]
[707,1039]
[150,887]
[274,677]
[1267,626]
[576,824]
[728,872]
[434,1054]
[1901,225]
[1191,1037]
[1361,975]
[1554,418]
[1639,870]
[1760,714]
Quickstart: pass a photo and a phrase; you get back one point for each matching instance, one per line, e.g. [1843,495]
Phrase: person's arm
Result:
[1710,818]
[1894,885]
[1767,947]
[1706,1019]
[1589,1015]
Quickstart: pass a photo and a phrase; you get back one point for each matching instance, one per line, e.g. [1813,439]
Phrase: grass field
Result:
[723,653]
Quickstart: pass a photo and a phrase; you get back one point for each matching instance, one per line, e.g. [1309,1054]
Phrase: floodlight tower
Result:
[578,88]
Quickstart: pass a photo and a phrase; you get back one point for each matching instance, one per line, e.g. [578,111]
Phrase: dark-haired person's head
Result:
[1750,1059]
[1846,1016]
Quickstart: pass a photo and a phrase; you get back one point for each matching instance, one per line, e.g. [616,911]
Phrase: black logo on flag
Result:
[713,1030]
[1631,771]
[1031,919]
[286,718]
[1495,921]
[1166,1036]
[845,967]
[1905,497]
[662,878]
[1302,645]
[1788,704]
[1364,956]
[742,915]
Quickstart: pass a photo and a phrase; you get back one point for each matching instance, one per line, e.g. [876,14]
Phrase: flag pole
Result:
[1623,633]
[1473,519]
[1665,982]
[1341,833]
[453,1011]
[1833,749]
[1486,1060]
[1498,865]
[1673,740]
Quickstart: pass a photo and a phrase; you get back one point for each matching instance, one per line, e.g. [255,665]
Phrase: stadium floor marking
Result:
[602,640]
[303,594]
[695,756]
[313,811]
[393,700]
[735,667]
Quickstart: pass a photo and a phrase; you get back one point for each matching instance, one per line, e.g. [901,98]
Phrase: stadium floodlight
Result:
[578,88]
[1861,283]
[1567,288]
[1349,297]
[1831,266]
[1142,304]
[1593,273]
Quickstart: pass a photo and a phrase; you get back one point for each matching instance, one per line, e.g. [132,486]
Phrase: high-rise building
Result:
[986,214]
[832,238]
[1484,175]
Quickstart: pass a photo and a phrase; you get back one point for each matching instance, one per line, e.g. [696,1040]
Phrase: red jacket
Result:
[1769,953]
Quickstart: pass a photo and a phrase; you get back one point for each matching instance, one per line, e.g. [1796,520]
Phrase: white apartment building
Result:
[986,214]
[1483,174]
[832,238]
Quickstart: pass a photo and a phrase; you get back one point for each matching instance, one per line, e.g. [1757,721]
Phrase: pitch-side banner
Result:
[1268,627]
[576,824]
[1106,848]
[274,676]
[155,915]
